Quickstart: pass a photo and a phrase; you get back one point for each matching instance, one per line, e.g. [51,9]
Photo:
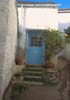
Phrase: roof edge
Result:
[38,4]
[24,2]
[64,10]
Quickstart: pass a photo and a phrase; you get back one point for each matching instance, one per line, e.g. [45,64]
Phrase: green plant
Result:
[67,35]
[54,42]
[67,38]
[17,89]
[67,31]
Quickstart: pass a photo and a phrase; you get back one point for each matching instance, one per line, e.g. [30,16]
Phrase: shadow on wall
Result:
[63,26]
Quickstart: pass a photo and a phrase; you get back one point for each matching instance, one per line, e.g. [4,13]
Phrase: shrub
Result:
[54,42]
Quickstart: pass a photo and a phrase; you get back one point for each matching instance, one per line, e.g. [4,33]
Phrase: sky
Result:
[64,3]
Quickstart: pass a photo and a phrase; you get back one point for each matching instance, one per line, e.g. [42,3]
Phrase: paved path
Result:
[40,93]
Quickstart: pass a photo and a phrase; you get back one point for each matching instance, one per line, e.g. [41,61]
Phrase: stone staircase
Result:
[33,75]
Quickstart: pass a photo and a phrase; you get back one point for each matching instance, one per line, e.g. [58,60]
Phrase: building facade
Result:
[64,19]
[34,19]
[42,15]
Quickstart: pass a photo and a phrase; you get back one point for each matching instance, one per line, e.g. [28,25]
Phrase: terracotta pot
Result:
[19,60]
[51,65]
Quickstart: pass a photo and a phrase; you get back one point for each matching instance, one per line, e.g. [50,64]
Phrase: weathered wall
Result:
[8,36]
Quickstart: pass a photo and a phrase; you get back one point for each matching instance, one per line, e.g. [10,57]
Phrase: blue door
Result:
[35,48]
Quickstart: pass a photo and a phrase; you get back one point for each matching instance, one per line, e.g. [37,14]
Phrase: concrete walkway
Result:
[40,93]
[43,92]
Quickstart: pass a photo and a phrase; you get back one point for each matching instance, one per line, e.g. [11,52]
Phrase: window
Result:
[36,41]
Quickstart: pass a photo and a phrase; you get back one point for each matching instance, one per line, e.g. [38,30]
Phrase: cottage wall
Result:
[63,19]
[36,18]
[39,18]
[8,36]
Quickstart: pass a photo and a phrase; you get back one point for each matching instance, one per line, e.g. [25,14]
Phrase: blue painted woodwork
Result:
[35,55]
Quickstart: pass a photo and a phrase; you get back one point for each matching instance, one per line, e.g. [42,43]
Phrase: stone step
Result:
[33,77]
[33,73]
[34,69]
[33,83]
[34,66]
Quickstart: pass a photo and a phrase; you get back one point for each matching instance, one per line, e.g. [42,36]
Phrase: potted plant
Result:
[54,43]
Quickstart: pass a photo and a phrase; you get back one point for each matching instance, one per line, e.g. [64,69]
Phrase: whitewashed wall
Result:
[36,18]
[8,37]
[39,18]
[64,21]
[22,27]
[43,18]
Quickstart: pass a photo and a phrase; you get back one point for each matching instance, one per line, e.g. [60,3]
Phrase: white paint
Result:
[8,38]
[45,18]
[22,17]
[40,18]
[63,21]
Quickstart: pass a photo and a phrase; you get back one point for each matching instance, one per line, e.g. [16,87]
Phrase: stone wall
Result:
[8,38]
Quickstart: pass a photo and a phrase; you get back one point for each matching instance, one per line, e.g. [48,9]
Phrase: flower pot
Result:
[19,60]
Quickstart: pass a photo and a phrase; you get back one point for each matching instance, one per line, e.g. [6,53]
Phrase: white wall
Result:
[40,18]
[21,19]
[8,38]
[64,21]
[43,18]
[10,44]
